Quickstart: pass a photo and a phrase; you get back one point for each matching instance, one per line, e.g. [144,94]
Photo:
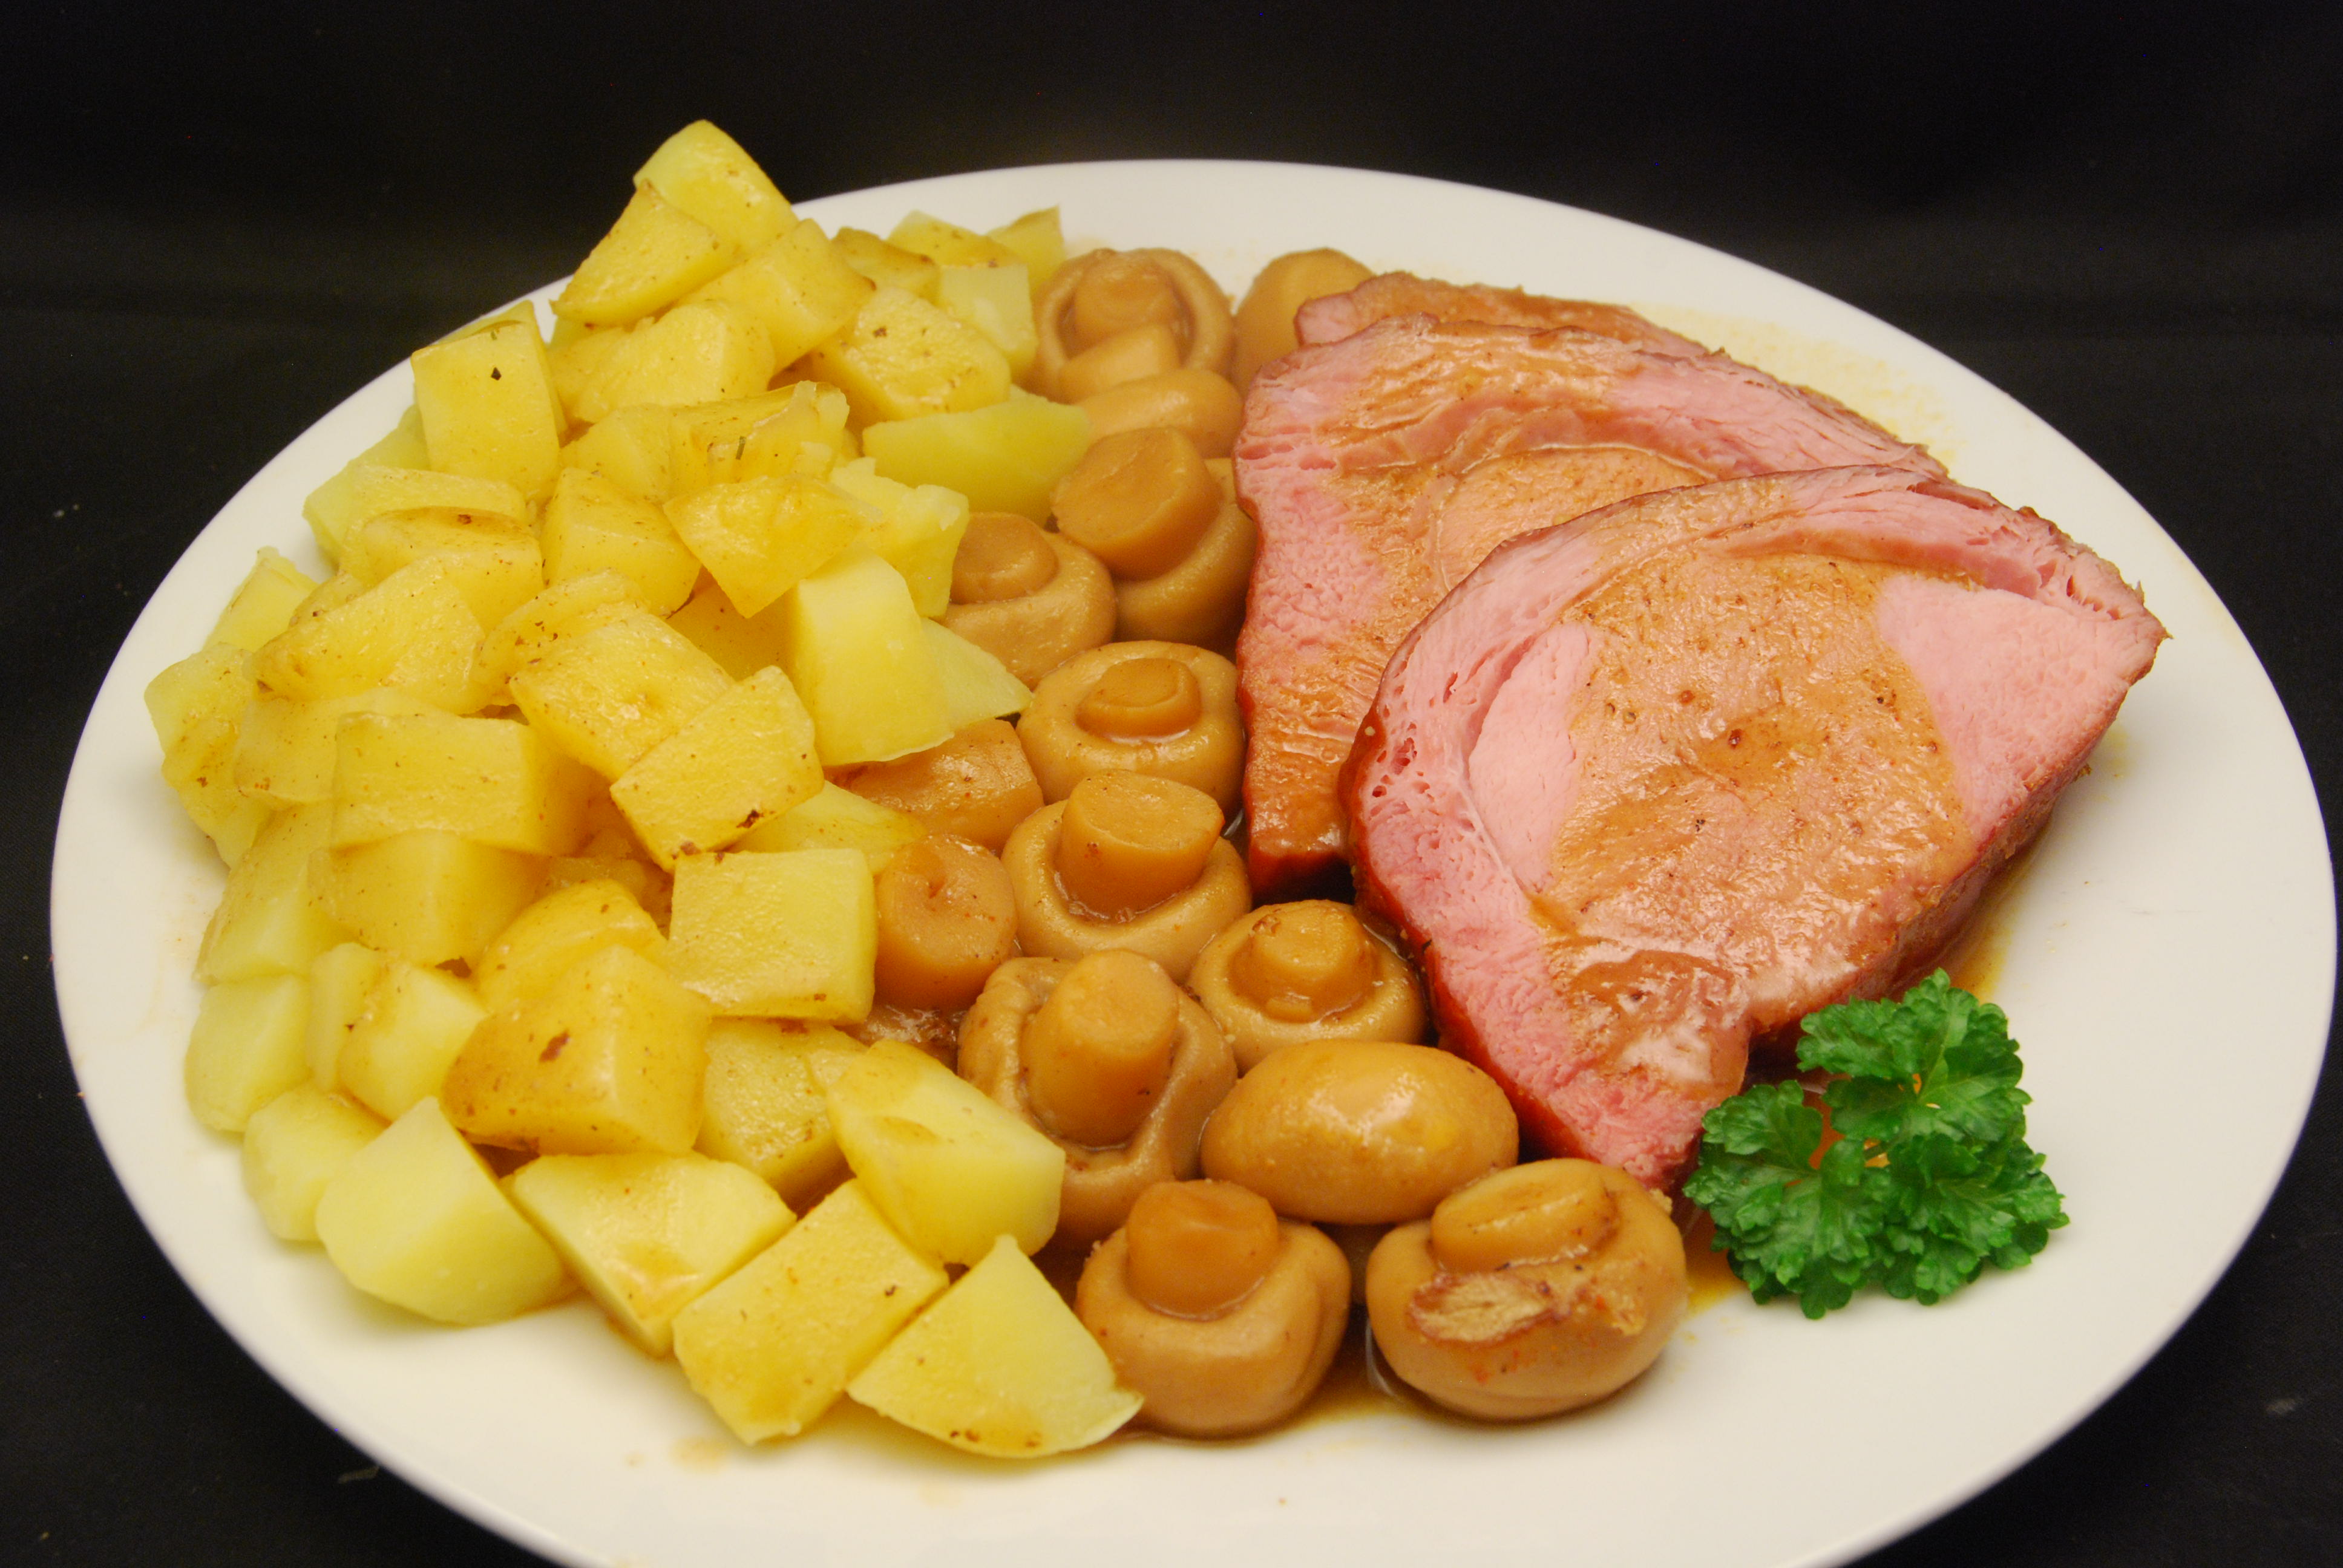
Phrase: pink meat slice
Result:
[1656,783]
[1383,466]
[1393,293]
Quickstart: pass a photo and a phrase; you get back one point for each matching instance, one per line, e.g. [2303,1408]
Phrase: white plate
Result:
[2191,853]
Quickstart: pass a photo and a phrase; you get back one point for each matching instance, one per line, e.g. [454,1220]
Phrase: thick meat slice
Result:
[1338,316]
[1383,468]
[1664,780]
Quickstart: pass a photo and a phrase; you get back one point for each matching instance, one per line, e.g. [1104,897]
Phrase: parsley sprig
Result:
[1930,1180]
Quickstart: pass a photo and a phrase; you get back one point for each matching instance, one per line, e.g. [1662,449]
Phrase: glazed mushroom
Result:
[1031,600]
[1165,520]
[1111,1060]
[1264,322]
[1286,973]
[947,920]
[1223,1317]
[1117,310]
[1126,860]
[976,785]
[1168,710]
[1536,1290]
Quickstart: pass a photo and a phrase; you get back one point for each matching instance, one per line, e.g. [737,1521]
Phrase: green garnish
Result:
[1930,1180]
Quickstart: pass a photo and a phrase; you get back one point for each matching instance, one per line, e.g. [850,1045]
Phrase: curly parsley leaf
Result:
[1929,1180]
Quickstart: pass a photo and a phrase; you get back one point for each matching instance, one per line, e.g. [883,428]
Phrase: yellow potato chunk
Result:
[799,287]
[995,298]
[748,437]
[246,1049]
[369,490]
[1039,241]
[563,610]
[773,1346]
[853,648]
[759,537]
[561,929]
[704,173]
[412,1024]
[916,530]
[694,354]
[1008,458]
[340,978]
[976,684]
[629,447]
[294,1146]
[262,604]
[608,694]
[949,245]
[835,819]
[428,895]
[948,1166]
[647,1234]
[197,706]
[333,506]
[766,1103]
[747,755]
[492,781]
[888,266]
[777,935]
[417,1220]
[593,524]
[998,1365]
[606,1060]
[486,400]
[653,256]
[285,747]
[742,644]
[272,917]
[413,630]
[495,563]
[904,357]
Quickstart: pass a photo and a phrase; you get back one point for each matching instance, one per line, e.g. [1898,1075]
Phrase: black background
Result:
[213,226]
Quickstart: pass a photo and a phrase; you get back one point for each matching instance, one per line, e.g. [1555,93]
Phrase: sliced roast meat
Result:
[1383,466]
[1660,781]
[1338,316]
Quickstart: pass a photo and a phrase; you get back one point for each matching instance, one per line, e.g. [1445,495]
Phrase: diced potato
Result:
[759,537]
[246,1048]
[918,530]
[767,1105]
[368,489]
[798,429]
[773,1346]
[340,980]
[994,299]
[417,1220]
[905,356]
[293,1147]
[197,707]
[704,173]
[428,895]
[492,781]
[747,755]
[285,749]
[653,256]
[949,1168]
[561,929]
[742,644]
[572,360]
[412,1024]
[776,936]
[977,686]
[629,447]
[493,562]
[853,647]
[998,1365]
[835,819]
[594,525]
[608,1060]
[1040,243]
[888,266]
[694,354]
[1005,458]
[402,448]
[272,917]
[489,405]
[607,695]
[799,287]
[947,245]
[647,1234]
[413,630]
[564,609]
[262,604]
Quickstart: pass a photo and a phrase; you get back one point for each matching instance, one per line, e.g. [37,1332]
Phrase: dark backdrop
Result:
[213,226]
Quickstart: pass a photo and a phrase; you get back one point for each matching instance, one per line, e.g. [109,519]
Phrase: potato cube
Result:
[488,406]
[197,706]
[998,1365]
[797,429]
[572,360]
[767,1106]
[977,686]
[757,538]
[1040,243]
[835,819]
[246,1048]
[428,895]
[904,357]
[851,645]
[1005,458]
[412,1024]
[653,256]
[564,928]
[694,354]
[703,171]
[918,530]
[402,448]
[742,644]
[774,1345]
[747,755]
[417,1220]
[888,266]
[949,1168]
[799,287]
[272,917]
[593,525]
[340,980]
[608,694]
[414,631]
[648,1234]
[776,936]
[293,1147]
[262,604]
[947,245]
[994,299]
[564,609]
[629,447]
[492,781]
[366,489]
[493,562]
[608,1060]
[285,749]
